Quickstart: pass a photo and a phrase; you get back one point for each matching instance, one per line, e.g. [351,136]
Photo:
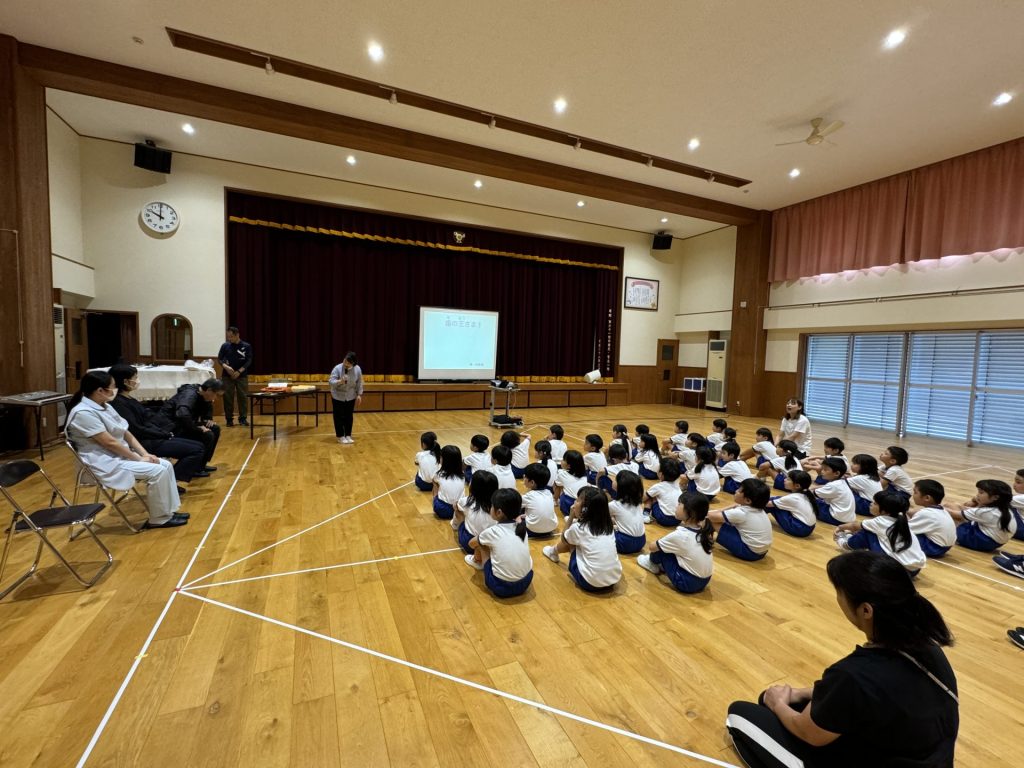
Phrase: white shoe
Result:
[454,524]
[647,518]
[645,562]
[841,538]
[349,440]
[551,553]
[473,563]
[341,440]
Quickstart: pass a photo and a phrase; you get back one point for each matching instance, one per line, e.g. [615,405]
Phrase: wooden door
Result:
[77,344]
[668,367]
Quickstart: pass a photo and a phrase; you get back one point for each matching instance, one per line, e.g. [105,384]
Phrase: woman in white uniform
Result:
[103,442]
[796,426]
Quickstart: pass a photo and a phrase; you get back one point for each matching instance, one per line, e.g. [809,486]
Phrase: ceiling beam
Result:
[105,80]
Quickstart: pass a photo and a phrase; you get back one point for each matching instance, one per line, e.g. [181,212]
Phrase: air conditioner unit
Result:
[717,353]
[59,360]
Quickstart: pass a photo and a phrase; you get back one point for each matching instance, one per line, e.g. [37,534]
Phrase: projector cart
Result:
[506,420]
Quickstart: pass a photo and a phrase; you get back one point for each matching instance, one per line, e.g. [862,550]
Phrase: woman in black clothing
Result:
[892,702]
[154,430]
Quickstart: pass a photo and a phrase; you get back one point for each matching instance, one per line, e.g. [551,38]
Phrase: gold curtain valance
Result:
[419,243]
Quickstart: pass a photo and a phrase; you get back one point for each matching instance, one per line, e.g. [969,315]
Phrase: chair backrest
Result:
[13,472]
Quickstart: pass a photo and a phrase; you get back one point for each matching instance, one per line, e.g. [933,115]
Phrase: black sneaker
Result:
[1016,637]
[182,491]
[243,422]
[1012,564]
[230,423]
[209,468]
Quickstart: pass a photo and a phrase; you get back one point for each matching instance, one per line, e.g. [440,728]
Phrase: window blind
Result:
[999,396]
[827,370]
[875,371]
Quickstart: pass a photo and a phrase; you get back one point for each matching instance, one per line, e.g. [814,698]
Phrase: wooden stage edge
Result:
[449,397]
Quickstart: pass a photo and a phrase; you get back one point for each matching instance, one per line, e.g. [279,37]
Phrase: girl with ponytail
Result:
[787,458]
[893,701]
[428,462]
[506,561]
[887,532]
[684,555]
[986,522]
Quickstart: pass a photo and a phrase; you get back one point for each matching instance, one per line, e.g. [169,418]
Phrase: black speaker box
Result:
[152,158]
[662,242]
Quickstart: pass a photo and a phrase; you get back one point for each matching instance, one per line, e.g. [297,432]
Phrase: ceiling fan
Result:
[818,134]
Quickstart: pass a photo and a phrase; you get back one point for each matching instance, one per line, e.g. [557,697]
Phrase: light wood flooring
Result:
[293,682]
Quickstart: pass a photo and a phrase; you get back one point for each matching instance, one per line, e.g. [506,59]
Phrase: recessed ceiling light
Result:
[1002,98]
[794,173]
[187,128]
[376,51]
[351,159]
[694,143]
[478,183]
[894,39]
[560,105]
[580,203]
[664,220]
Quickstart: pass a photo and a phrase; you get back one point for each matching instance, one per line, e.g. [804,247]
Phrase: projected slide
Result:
[457,344]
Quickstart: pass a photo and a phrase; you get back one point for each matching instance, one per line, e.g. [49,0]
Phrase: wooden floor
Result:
[393,651]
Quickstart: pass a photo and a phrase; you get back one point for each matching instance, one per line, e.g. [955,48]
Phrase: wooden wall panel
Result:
[372,401]
[588,397]
[749,299]
[549,399]
[618,397]
[449,401]
[409,401]
[643,382]
[777,387]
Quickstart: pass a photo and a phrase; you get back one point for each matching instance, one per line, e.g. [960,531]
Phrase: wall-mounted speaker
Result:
[662,242]
[150,157]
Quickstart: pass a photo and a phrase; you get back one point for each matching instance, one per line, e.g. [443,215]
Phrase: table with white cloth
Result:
[161,382]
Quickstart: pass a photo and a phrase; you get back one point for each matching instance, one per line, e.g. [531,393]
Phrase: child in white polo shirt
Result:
[930,522]
[507,565]
[594,564]
[745,529]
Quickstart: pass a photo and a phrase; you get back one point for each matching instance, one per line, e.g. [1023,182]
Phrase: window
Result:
[962,385]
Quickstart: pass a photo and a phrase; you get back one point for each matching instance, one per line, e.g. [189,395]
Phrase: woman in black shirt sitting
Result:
[892,702]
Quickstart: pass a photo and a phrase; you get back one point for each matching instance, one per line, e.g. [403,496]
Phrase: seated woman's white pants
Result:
[162,494]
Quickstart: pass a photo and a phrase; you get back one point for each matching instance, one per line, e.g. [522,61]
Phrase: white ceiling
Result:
[740,75]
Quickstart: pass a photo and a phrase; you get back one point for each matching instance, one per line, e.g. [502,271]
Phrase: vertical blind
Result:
[962,385]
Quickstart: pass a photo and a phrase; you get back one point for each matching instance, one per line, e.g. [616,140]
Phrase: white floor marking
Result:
[468,683]
[975,573]
[156,626]
[324,568]
[299,533]
[959,471]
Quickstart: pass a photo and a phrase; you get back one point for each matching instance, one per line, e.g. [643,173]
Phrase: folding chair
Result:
[85,477]
[68,515]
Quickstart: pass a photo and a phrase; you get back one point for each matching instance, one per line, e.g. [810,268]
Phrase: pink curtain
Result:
[968,204]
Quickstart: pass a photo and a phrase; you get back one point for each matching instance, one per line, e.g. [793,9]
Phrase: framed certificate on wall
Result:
[641,293]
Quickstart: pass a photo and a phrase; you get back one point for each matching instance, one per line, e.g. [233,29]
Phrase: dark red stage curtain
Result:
[968,204]
[308,282]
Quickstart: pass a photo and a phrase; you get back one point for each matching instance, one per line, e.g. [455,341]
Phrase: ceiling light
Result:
[794,173]
[664,220]
[375,51]
[894,39]
[351,159]
[580,203]
[1002,98]
[694,143]
[560,105]
[478,183]
[187,128]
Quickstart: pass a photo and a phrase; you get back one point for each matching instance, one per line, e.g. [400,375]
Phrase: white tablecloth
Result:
[162,381]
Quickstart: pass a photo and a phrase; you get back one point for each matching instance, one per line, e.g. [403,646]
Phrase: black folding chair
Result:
[40,521]
[85,477]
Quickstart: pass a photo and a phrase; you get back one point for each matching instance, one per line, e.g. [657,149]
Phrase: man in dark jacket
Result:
[191,412]
[154,430]
[235,358]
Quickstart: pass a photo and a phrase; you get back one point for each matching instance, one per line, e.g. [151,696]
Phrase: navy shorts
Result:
[464,538]
[517,472]
[627,545]
[788,523]
[729,537]
[443,509]
[681,579]
[931,549]
[565,502]
[970,536]
[647,474]
[582,583]
[422,484]
[502,588]
[825,513]
[669,521]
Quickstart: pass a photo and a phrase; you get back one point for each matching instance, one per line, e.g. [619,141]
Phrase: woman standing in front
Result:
[893,701]
[346,393]
[103,442]
[796,426]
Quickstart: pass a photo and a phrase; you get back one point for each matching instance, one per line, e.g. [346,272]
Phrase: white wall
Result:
[707,265]
[897,298]
[71,270]
[185,273]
